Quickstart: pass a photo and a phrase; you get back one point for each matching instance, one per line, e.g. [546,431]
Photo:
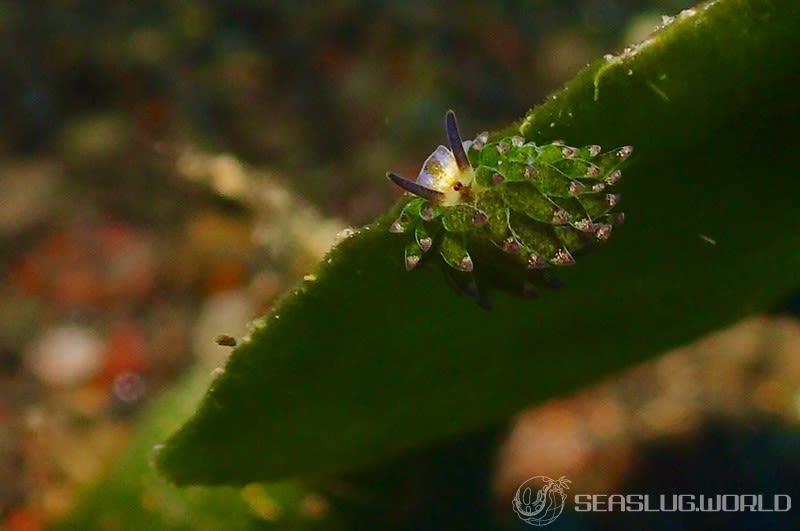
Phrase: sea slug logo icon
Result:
[540,500]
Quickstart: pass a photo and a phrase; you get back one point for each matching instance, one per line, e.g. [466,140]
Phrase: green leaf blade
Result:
[369,359]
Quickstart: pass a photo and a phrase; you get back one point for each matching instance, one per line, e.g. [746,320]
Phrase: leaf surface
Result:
[369,359]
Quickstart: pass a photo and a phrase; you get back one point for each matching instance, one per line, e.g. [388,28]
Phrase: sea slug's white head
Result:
[446,175]
[441,173]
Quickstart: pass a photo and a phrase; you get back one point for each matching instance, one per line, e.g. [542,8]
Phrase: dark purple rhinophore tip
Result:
[414,188]
[454,139]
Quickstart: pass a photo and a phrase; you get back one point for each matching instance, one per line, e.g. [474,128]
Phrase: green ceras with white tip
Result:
[499,212]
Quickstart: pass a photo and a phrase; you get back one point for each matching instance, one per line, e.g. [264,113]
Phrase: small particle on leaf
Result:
[345,233]
[708,239]
[257,324]
[517,141]
[599,187]
[502,147]
[311,277]
[224,340]
[558,142]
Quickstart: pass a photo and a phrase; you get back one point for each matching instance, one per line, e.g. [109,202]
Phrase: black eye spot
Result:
[457,186]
